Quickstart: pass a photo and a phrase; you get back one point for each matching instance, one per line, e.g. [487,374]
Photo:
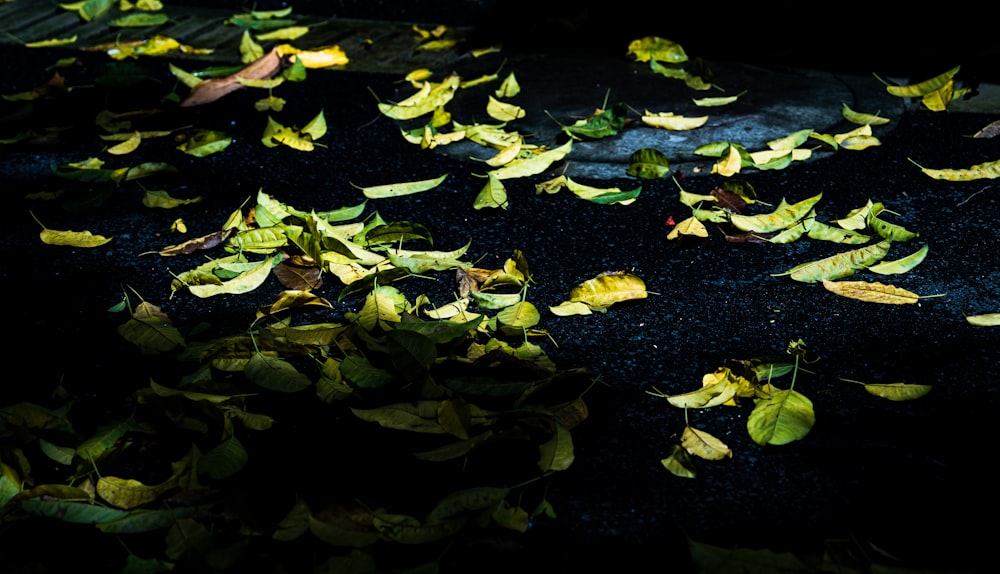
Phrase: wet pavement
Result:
[907,482]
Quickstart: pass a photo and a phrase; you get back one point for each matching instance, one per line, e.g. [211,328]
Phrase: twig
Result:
[973,195]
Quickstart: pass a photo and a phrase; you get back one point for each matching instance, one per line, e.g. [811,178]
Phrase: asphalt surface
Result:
[909,482]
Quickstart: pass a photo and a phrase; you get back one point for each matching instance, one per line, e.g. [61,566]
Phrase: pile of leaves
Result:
[464,379]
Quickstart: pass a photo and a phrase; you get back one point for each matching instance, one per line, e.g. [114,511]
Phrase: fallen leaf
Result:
[783,417]
[987,170]
[785,215]
[656,48]
[898,391]
[399,189]
[924,87]
[862,118]
[609,288]
[900,265]
[838,266]
[704,445]
[210,90]
[679,463]
[984,320]
[73,238]
[873,292]
[990,130]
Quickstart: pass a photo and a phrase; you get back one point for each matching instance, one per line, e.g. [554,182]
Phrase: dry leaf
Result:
[874,292]
[212,89]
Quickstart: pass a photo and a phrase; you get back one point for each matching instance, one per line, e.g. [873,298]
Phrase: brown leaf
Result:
[728,200]
[263,68]
[989,131]
[204,242]
[296,273]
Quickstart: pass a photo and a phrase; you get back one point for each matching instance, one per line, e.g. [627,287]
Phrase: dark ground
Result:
[911,479]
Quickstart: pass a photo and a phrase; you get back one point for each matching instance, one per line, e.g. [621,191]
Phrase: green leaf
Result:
[838,266]
[783,217]
[602,124]
[69,511]
[139,20]
[785,416]
[648,163]
[226,459]
[275,373]
[410,351]
[363,374]
[900,265]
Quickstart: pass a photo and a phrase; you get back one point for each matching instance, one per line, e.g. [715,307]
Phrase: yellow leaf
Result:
[730,164]
[250,51]
[493,194]
[984,320]
[503,111]
[160,198]
[898,391]
[557,452]
[609,288]
[874,292]
[417,76]
[287,33]
[242,283]
[316,128]
[711,395]
[323,57]
[900,265]
[568,308]
[704,445]
[508,87]
[715,102]
[859,142]
[535,164]
[425,101]
[505,155]
[669,121]
[127,146]
[656,48]
[73,238]
[398,189]
[51,42]
[690,226]
[129,493]
[839,265]
[861,118]
[785,215]
[925,87]
[988,170]
[679,463]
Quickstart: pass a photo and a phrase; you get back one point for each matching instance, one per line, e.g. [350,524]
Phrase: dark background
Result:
[914,479]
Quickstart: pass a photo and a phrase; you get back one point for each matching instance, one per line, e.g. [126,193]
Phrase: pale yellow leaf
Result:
[984,320]
[874,292]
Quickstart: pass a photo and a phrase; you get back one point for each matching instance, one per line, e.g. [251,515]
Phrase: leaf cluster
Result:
[778,416]
[456,383]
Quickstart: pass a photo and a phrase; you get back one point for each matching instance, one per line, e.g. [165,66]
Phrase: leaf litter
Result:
[411,339]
